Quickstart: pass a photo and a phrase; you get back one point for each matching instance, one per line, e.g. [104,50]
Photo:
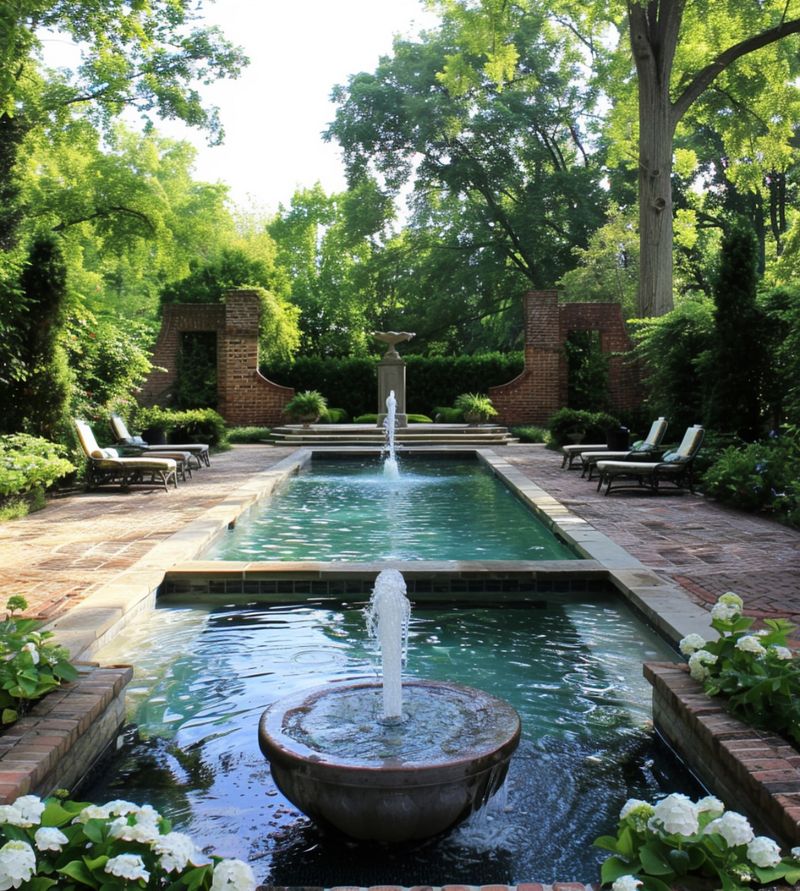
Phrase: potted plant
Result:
[306,407]
[475,408]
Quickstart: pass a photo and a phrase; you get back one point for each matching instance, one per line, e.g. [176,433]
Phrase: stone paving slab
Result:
[78,544]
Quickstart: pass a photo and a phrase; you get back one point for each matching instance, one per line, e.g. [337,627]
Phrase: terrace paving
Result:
[80,542]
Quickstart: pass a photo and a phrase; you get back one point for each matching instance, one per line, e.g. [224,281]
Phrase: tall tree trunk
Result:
[655,200]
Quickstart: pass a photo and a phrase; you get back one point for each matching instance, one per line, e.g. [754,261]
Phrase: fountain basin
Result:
[333,759]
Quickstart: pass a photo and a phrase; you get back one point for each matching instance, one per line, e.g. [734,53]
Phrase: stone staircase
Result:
[345,435]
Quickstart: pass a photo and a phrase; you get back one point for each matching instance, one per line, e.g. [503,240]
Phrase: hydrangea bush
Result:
[659,846]
[756,671]
[30,664]
[72,846]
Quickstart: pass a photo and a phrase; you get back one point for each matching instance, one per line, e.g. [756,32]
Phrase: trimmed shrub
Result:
[334,416]
[29,464]
[530,434]
[445,414]
[241,435]
[595,426]
[431,381]
[192,425]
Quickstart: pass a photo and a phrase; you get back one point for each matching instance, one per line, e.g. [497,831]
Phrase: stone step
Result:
[368,434]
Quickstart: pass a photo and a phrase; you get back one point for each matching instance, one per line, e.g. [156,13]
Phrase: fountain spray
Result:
[388,615]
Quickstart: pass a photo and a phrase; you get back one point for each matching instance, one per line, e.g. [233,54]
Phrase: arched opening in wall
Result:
[196,383]
[587,371]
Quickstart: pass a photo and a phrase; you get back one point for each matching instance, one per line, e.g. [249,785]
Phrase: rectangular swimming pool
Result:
[340,510]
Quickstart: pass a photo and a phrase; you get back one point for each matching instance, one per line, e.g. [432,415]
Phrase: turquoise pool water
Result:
[346,510]
[572,670]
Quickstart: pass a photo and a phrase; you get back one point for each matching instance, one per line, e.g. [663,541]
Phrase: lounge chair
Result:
[642,450]
[571,452]
[674,467]
[105,465]
[198,450]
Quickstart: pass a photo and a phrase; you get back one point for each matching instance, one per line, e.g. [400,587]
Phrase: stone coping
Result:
[56,743]
[756,769]
[95,621]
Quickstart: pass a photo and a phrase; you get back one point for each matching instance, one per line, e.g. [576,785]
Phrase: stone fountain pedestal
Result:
[331,756]
[392,375]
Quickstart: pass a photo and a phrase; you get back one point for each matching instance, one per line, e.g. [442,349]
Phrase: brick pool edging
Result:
[64,734]
[758,770]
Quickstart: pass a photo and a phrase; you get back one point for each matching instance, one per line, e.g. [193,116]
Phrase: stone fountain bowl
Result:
[333,759]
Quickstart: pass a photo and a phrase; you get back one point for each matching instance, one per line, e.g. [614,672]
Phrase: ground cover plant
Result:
[28,466]
[71,846]
[31,664]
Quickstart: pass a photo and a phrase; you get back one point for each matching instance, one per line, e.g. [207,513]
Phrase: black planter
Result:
[154,436]
[618,439]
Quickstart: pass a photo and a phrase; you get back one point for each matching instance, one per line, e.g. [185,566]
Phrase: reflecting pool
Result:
[347,510]
[572,670]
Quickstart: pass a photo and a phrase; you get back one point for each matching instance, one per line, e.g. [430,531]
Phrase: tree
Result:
[501,174]
[145,56]
[680,48]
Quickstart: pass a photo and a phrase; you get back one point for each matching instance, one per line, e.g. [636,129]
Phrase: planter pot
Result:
[472,417]
[306,420]
[576,437]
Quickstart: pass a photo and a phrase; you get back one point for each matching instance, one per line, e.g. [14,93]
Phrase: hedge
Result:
[431,381]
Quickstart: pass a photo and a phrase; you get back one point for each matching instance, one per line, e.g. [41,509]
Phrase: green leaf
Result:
[614,867]
[41,883]
[9,715]
[606,842]
[93,830]
[650,883]
[654,861]
[76,869]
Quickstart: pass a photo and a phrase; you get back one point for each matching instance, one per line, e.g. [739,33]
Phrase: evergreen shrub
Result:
[595,425]
[431,381]
[193,425]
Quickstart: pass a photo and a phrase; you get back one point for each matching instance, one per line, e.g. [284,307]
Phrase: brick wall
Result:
[541,388]
[244,395]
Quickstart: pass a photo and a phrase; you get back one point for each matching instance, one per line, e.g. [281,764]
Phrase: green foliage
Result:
[196,374]
[671,347]
[191,425]
[447,414]
[781,307]
[109,358]
[594,425]
[28,463]
[587,370]
[735,367]
[759,476]
[756,672]
[530,434]
[71,846]
[36,401]
[681,843]
[475,406]
[307,405]
[334,416]
[30,665]
[247,434]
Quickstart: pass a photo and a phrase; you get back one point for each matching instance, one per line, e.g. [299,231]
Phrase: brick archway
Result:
[541,388]
[244,395]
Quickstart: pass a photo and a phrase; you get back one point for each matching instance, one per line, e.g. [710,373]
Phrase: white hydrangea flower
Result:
[127,866]
[637,813]
[698,664]
[147,814]
[725,612]
[92,812]
[795,854]
[176,850]
[119,807]
[146,832]
[763,852]
[49,838]
[780,652]
[710,805]
[33,650]
[676,815]
[733,827]
[626,883]
[750,644]
[731,599]
[9,814]
[30,808]
[17,864]
[691,643]
[233,875]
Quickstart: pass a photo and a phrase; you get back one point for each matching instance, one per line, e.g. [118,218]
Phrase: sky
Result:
[275,112]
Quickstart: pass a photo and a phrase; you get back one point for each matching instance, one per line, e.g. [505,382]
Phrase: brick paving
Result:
[57,556]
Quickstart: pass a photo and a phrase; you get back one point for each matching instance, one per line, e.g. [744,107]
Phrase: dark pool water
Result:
[351,511]
[572,670]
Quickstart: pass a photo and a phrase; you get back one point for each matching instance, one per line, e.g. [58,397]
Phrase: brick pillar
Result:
[534,394]
[244,395]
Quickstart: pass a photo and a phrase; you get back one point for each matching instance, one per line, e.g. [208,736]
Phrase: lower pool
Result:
[572,670]
[349,510]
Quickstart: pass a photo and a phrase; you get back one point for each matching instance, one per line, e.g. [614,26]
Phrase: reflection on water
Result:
[351,511]
[572,671]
